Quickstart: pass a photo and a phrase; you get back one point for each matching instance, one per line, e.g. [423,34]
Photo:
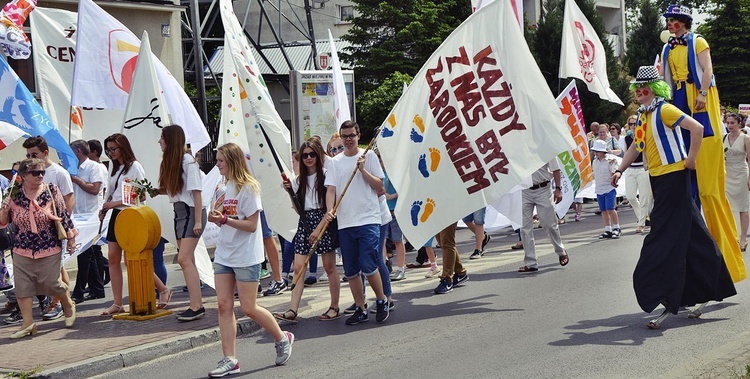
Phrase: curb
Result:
[141,354]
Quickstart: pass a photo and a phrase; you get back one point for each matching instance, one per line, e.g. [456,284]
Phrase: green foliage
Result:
[662,5]
[213,100]
[374,106]
[547,43]
[643,41]
[726,32]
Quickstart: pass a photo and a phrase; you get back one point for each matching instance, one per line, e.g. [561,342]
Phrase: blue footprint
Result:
[387,132]
[415,136]
[416,207]
[423,166]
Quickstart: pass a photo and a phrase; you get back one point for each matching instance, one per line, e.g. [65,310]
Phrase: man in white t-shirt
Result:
[358,217]
[88,184]
[36,147]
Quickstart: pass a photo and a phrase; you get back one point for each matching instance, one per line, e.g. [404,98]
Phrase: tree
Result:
[547,43]
[643,41]
[374,106]
[662,5]
[726,34]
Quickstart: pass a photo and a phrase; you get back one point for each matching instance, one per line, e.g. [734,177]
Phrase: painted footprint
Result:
[387,133]
[428,208]
[419,122]
[415,208]
[392,120]
[434,159]
[422,166]
[415,136]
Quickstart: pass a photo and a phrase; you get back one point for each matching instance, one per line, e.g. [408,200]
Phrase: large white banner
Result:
[106,54]
[247,107]
[582,54]
[53,33]
[476,120]
[340,101]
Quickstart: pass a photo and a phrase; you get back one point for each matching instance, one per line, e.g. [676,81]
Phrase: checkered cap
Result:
[675,10]
[646,74]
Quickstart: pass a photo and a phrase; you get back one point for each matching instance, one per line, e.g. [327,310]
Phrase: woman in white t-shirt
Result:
[310,193]
[124,167]
[180,179]
[238,256]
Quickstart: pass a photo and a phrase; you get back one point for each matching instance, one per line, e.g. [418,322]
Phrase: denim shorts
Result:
[477,217]
[241,274]
[359,249]
[267,232]
[607,200]
[393,231]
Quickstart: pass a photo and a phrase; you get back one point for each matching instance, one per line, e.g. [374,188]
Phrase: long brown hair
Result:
[170,172]
[238,171]
[126,152]
[320,188]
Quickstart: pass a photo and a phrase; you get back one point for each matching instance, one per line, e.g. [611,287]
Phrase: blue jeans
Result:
[359,245]
[287,254]
[160,269]
[382,268]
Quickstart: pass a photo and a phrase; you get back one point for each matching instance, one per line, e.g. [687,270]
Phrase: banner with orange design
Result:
[477,119]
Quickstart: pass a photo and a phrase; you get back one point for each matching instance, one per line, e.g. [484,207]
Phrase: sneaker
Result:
[352,309]
[190,315]
[578,217]
[606,235]
[9,308]
[44,305]
[15,317]
[486,240]
[434,271]
[284,349]
[276,288]
[458,279]
[323,278]
[339,261]
[444,287]
[391,305]
[359,316]
[476,254]
[398,275]
[53,313]
[264,273]
[616,233]
[382,310]
[310,280]
[225,367]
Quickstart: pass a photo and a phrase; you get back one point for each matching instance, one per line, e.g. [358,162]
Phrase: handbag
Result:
[7,235]
[61,233]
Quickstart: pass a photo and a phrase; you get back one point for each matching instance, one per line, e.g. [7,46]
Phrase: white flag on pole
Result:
[340,100]
[476,120]
[516,4]
[8,134]
[582,55]
[106,54]
[246,103]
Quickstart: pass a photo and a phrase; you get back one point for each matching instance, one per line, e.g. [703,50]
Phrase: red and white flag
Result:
[8,134]
[340,100]
[582,54]
[657,62]
[517,6]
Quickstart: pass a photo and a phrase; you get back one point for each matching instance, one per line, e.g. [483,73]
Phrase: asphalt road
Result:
[580,321]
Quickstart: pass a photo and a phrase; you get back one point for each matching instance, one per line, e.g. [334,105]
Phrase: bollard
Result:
[138,231]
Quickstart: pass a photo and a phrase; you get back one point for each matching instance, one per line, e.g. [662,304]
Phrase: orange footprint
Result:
[392,120]
[434,159]
[419,123]
[429,206]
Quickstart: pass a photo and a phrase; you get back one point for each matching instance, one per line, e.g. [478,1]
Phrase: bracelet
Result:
[224,220]
[618,171]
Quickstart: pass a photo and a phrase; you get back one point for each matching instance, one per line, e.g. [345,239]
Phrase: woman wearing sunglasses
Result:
[34,207]
[124,166]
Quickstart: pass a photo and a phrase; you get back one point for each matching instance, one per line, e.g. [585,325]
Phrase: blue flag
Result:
[19,108]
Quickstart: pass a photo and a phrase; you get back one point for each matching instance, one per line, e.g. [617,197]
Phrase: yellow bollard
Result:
[138,231]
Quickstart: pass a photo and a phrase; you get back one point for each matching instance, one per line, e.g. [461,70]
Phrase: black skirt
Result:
[328,242]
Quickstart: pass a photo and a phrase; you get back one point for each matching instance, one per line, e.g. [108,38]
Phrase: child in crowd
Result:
[604,167]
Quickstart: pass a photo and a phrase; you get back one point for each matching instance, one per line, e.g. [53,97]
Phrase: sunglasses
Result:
[32,155]
[349,136]
[309,155]
[631,123]
[337,149]
[110,151]
[38,172]
[612,129]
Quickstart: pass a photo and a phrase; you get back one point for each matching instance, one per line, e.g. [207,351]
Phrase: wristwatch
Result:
[704,92]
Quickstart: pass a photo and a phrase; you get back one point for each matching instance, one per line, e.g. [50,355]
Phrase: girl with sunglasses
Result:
[310,193]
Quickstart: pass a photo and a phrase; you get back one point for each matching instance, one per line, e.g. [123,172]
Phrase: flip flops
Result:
[564,259]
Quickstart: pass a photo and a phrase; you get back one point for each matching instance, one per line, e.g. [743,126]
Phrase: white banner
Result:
[477,119]
[340,101]
[247,107]
[582,55]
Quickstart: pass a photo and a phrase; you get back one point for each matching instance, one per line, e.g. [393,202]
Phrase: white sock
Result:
[607,228]
[616,226]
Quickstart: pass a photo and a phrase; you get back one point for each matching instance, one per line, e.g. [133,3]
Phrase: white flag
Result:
[516,4]
[106,54]
[8,134]
[340,100]
[249,105]
[582,55]
[475,121]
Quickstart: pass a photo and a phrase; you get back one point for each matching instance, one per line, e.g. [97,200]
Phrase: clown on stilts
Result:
[688,71]
[672,270]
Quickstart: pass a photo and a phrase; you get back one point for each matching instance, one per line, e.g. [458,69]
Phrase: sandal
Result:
[164,297]
[528,269]
[326,317]
[110,311]
[564,259]
[283,317]
[743,246]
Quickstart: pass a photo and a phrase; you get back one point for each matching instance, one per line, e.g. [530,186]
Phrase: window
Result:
[346,12]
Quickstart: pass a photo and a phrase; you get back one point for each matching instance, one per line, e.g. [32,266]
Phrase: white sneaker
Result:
[323,278]
[225,367]
[434,271]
